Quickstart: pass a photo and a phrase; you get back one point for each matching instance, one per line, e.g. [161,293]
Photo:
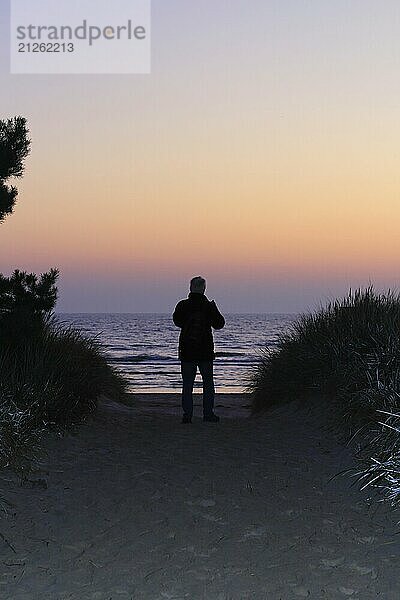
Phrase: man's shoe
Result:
[186,419]
[211,418]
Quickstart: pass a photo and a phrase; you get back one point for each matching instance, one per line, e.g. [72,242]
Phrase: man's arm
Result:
[217,320]
[178,316]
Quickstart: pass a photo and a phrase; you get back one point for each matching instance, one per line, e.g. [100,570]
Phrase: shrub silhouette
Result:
[25,299]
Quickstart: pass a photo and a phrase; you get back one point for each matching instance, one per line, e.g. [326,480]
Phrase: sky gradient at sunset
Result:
[262,152]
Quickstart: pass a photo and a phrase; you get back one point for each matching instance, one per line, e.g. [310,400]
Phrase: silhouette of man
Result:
[195,316]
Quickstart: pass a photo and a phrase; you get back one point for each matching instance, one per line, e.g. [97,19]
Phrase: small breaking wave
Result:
[139,358]
[227,354]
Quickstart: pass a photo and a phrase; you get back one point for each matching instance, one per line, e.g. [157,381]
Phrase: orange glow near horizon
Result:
[330,207]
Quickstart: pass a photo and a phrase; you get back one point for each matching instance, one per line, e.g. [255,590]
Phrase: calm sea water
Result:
[144,347]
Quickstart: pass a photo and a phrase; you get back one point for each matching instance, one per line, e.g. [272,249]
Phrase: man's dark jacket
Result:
[212,318]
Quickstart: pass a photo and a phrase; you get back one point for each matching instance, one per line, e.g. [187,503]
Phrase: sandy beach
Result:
[135,505]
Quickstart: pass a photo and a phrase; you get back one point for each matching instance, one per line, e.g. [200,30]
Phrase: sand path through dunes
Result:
[139,506]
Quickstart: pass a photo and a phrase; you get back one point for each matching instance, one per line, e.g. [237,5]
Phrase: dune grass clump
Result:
[348,351]
[51,377]
[19,435]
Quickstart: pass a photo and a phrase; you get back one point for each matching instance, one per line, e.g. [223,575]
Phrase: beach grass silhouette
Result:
[347,353]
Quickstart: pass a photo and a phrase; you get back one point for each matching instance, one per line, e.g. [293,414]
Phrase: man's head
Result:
[198,285]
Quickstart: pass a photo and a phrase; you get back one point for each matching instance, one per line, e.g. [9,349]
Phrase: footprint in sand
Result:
[301,591]
[192,550]
[292,512]
[332,562]
[206,503]
[255,533]
[328,522]
[367,540]
[347,591]
[364,570]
